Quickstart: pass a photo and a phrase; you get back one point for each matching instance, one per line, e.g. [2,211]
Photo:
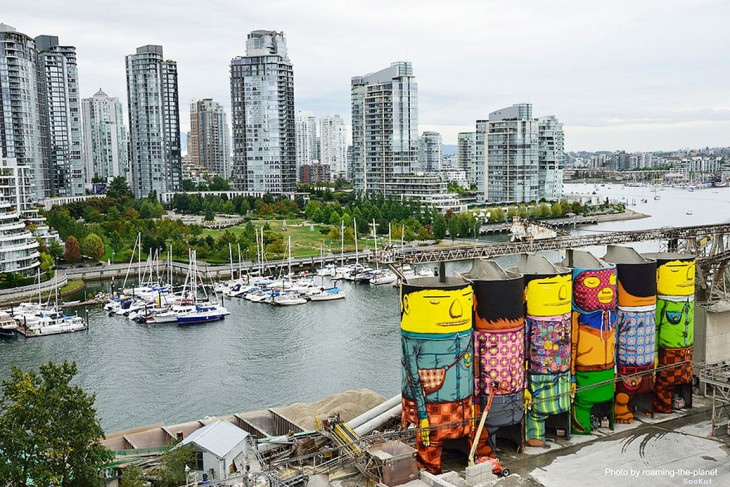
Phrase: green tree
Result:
[72,254]
[93,246]
[171,472]
[133,476]
[55,249]
[51,434]
[119,189]
[438,230]
[453,224]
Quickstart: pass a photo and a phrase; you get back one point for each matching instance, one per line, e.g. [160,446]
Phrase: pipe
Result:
[370,414]
[379,420]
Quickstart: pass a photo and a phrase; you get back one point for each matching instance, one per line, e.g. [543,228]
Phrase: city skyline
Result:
[634,76]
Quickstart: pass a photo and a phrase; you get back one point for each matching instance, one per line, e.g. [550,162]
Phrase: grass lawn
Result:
[306,238]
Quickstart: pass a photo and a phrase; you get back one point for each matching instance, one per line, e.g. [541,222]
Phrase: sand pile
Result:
[348,405]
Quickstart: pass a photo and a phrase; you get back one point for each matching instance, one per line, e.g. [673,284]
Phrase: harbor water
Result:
[264,356]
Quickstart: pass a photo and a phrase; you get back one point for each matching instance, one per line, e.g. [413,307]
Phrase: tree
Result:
[438,230]
[171,472]
[51,434]
[119,189]
[133,476]
[453,224]
[72,254]
[93,246]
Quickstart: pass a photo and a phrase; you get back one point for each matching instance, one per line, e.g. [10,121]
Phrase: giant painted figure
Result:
[675,327]
[437,379]
[548,293]
[636,327]
[499,349]
[593,335]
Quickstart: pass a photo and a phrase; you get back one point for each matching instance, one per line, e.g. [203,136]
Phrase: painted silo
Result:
[675,278]
[593,337]
[499,349]
[548,292]
[437,376]
[636,328]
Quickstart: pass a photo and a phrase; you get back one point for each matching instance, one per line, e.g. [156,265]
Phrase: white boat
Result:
[689,212]
[7,325]
[327,270]
[328,294]
[383,276]
[202,313]
[288,299]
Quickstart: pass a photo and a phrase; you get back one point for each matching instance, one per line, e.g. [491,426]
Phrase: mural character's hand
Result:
[425,431]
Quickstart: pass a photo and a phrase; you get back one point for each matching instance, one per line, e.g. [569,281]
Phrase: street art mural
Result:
[593,336]
[675,278]
[636,329]
[548,291]
[437,382]
[499,350]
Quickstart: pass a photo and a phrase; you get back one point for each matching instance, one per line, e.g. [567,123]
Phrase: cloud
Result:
[595,65]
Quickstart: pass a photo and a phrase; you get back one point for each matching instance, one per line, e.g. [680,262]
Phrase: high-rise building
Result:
[507,156]
[430,151]
[23,134]
[551,157]
[262,115]
[333,145]
[60,81]
[19,249]
[306,133]
[208,139]
[465,155]
[384,127]
[154,122]
[105,137]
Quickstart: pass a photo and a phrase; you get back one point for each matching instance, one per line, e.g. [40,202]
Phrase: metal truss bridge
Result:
[709,243]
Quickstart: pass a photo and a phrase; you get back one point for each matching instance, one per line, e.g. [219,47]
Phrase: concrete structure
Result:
[208,139]
[262,114]
[384,127]
[333,145]
[59,80]
[154,122]
[551,157]
[306,134]
[220,450]
[430,151]
[105,138]
[22,126]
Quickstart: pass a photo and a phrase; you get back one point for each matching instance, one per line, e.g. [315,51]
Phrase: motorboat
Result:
[7,325]
[202,313]
[383,276]
[288,299]
[328,294]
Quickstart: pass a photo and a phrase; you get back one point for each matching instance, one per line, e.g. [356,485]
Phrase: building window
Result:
[199,460]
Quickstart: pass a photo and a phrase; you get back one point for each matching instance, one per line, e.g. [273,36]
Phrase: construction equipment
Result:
[497,467]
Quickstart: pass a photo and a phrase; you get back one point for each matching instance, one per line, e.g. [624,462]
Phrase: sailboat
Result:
[384,276]
[326,294]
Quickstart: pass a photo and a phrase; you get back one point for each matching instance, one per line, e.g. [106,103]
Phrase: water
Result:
[264,356]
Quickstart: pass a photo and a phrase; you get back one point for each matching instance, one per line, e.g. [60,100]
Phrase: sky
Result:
[636,75]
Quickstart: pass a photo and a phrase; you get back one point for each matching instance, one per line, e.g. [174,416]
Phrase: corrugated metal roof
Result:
[218,438]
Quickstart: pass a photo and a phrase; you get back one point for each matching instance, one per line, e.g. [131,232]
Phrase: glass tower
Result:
[105,137]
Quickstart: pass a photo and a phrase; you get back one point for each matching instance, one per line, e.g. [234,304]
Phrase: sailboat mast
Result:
[375,243]
[342,244]
[354,226]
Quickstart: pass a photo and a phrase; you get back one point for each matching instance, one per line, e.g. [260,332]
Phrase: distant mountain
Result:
[448,149]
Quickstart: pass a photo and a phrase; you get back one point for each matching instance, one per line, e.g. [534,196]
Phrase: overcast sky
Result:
[620,74]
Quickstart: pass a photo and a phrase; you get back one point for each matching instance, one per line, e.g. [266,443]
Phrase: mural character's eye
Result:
[592,282]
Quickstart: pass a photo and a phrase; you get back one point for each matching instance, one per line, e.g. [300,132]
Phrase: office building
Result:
[384,127]
[262,115]
[333,145]
[23,135]
[208,139]
[60,89]
[105,138]
[154,122]
[430,151]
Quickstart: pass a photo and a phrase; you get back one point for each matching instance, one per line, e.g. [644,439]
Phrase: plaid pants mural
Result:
[678,363]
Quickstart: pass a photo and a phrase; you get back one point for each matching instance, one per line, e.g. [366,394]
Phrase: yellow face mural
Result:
[549,296]
[676,278]
[436,310]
